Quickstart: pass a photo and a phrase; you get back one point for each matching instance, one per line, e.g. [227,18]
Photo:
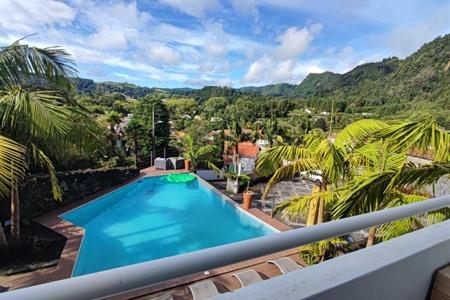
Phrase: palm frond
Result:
[290,170]
[42,159]
[438,216]
[17,61]
[332,160]
[38,113]
[297,204]
[419,135]
[363,194]
[357,133]
[316,252]
[12,164]
[271,159]
[206,151]
[397,228]
[422,175]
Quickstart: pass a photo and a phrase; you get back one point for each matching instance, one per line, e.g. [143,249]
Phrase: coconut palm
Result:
[45,122]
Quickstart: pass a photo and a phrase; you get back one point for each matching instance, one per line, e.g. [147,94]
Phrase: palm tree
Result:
[388,175]
[370,190]
[380,176]
[236,136]
[45,122]
[204,156]
[113,119]
[334,160]
[270,130]
[12,170]
[134,130]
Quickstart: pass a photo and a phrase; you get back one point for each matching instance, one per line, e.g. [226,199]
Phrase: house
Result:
[247,153]
[263,144]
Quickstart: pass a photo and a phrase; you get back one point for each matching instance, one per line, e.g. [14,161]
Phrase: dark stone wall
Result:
[36,197]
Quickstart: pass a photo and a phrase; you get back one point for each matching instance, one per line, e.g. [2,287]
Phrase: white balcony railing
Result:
[115,281]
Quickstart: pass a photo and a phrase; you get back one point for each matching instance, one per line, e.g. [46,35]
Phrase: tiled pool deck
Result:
[74,236]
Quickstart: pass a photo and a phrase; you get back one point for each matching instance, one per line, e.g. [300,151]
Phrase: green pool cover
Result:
[179,178]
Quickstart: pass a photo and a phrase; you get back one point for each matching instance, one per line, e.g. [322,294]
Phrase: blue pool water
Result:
[151,219]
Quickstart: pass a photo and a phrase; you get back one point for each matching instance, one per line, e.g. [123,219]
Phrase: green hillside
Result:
[392,87]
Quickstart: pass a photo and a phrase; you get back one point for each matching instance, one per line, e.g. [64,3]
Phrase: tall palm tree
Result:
[389,174]
[236,136]
[270,130]
[334,160]
[382,176]
[44,121]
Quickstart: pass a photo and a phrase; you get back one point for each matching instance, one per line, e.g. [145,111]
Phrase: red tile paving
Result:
[74,236]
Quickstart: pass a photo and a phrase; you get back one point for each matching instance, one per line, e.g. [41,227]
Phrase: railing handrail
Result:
[115,281]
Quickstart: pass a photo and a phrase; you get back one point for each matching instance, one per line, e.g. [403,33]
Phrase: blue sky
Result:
[178,43]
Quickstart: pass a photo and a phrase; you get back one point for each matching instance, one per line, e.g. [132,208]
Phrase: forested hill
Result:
[424,76]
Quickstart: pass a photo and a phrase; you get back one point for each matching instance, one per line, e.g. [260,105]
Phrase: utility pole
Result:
[153,134]
[331,116]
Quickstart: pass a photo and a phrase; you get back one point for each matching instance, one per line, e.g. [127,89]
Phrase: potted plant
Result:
[187,163]
[247,194]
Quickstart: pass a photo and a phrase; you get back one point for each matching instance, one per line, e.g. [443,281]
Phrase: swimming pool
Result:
[151,218]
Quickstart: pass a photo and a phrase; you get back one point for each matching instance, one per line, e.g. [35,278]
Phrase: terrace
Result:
[402,268]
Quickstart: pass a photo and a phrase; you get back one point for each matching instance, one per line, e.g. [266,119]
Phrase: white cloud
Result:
[225,82]
[27,16]
[295,40]
[108,39]
[269,71]
[116,23]
[164,54]
[256,72]
[281,63]
[127,77]
[245,6]
[403,40]
[215,49]
[206,80]
[195,8]
[113,14]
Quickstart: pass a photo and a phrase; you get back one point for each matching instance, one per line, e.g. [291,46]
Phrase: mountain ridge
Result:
[421,75]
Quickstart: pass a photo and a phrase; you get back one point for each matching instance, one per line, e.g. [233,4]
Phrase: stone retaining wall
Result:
[36,197]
